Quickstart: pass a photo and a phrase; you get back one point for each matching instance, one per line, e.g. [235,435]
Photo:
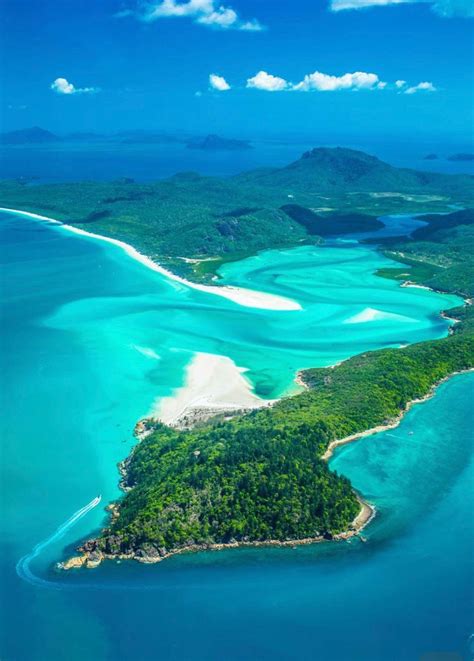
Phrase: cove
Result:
[92,339]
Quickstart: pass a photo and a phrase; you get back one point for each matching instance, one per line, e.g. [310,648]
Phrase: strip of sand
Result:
[245,297]
[214,384]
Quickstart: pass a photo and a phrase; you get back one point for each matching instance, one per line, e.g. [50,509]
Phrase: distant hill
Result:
[430,157]
[338,170]
[215,143]
[32,135]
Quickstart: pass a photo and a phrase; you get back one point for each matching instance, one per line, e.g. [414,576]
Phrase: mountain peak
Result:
[328,154]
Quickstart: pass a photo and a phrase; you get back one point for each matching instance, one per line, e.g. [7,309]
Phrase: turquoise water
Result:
[79,321]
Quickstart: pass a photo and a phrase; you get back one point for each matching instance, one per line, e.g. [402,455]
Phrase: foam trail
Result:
[23,565]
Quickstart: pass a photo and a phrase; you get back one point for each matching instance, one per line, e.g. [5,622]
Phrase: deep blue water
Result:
[72,389]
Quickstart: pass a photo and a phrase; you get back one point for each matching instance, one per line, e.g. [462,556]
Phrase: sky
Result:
[337,69]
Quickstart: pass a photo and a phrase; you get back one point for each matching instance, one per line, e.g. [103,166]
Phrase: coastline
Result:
[390,425]
[93,557]
[246,297]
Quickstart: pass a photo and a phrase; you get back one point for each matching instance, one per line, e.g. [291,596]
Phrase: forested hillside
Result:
[326,192]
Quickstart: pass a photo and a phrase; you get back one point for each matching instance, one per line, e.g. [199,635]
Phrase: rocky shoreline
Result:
[92,556]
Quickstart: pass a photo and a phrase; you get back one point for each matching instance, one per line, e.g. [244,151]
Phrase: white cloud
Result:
[341,5]
[63,86]
[265,81]
[421,87]
[218,83]
[400,83]
[204,12]
[323,82]
[251,26]
[224,17]
[445,8]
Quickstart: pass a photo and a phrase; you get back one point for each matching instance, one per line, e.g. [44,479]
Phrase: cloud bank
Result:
[323,82]
[209,13]
[63,86]
[446,8]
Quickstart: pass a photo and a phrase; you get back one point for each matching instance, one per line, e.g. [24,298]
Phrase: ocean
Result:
[92,339]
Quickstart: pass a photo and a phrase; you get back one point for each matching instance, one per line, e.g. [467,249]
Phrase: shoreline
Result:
[245,297]
[393,423]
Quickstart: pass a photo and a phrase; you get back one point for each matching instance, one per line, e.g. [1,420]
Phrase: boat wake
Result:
[23,565]
[146,351]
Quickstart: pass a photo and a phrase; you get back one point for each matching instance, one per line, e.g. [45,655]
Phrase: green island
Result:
[262,477]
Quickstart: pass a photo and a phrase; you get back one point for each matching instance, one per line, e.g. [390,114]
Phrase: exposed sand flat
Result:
[370,314]
[245,297]
[214,384]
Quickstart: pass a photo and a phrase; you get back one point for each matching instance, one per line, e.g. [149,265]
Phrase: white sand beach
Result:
[245,297]
[213,384]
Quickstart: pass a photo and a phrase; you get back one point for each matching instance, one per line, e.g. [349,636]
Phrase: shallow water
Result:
[91,338]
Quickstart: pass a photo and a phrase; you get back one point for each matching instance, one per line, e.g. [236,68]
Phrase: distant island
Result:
[38,135]
[34,135]
[461,157]
[216,143]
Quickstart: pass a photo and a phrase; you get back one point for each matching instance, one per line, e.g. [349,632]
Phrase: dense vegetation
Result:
[439,255]
[327,191]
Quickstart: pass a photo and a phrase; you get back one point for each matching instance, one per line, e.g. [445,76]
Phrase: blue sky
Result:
[321,67]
